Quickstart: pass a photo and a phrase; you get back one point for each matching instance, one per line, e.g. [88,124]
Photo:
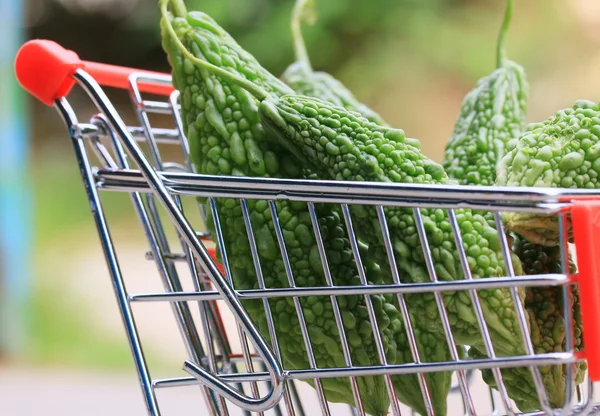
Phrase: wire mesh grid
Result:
[246,367]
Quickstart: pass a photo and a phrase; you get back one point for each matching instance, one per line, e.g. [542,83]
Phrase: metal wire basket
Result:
[254,378]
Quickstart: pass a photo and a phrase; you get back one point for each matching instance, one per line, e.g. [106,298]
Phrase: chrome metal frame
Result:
[212,364]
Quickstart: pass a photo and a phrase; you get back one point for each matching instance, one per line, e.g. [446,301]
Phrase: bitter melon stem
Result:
[500,50]
[252,88]
[179,8]
[299,46]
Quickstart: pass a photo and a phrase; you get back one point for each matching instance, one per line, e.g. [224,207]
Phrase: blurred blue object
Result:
[15,198]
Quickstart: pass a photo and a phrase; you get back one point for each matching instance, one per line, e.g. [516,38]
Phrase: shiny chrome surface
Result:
[228,377]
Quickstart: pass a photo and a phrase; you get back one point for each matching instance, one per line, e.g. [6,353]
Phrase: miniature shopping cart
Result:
[115,157]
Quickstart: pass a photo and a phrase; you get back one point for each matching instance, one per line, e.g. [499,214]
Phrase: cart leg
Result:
[111,258]
[150,222]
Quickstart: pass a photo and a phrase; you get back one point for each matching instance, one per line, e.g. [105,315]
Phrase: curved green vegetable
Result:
[303,80]
[226,137]
[545,308]
[342,145]
[491,114]
[562,151]
[558,152]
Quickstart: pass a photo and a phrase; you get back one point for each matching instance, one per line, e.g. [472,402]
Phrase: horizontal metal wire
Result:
[186,190]
[535,200]
[428,287]
[556,358]
[364,193]
[158,107]
[166,136]
[380,189]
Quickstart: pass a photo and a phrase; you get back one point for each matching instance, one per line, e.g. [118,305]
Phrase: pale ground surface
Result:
[27,391]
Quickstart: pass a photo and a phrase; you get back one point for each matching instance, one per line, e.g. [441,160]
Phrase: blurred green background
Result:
[411,60]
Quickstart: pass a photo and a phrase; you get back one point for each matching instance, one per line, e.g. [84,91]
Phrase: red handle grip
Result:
[118,77]
[45,69]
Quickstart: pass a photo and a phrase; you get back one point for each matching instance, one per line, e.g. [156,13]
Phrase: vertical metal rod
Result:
[295,397]
[174,276]
[185,148]
[210,308]
[495,407]
[204,313]
[297,305]
[182,313]
[249,366]
[136,98]
[101,152]
[412,341]
[261,285]
[376,334]
[111,258]
[225,261]
[462,380]
[155,182]
[521,319]
[487,339]
[589,404]
[567,312]
[336,308]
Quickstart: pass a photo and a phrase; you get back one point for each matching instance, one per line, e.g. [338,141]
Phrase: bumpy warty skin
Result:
[344,145]
[548,334]
[226,137]
[557,152]
[322,85]
[491,114]
[562,151]
[431,343]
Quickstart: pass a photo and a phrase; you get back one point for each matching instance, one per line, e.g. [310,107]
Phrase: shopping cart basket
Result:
[49,72]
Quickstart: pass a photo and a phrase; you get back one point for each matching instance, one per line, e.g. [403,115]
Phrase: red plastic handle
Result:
[45,69]
[585,218]
[118,77]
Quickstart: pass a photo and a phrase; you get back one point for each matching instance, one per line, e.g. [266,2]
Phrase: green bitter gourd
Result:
[561,151]
[301,77]
[548,333]
[492,114]
[221,123]
[343,145]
